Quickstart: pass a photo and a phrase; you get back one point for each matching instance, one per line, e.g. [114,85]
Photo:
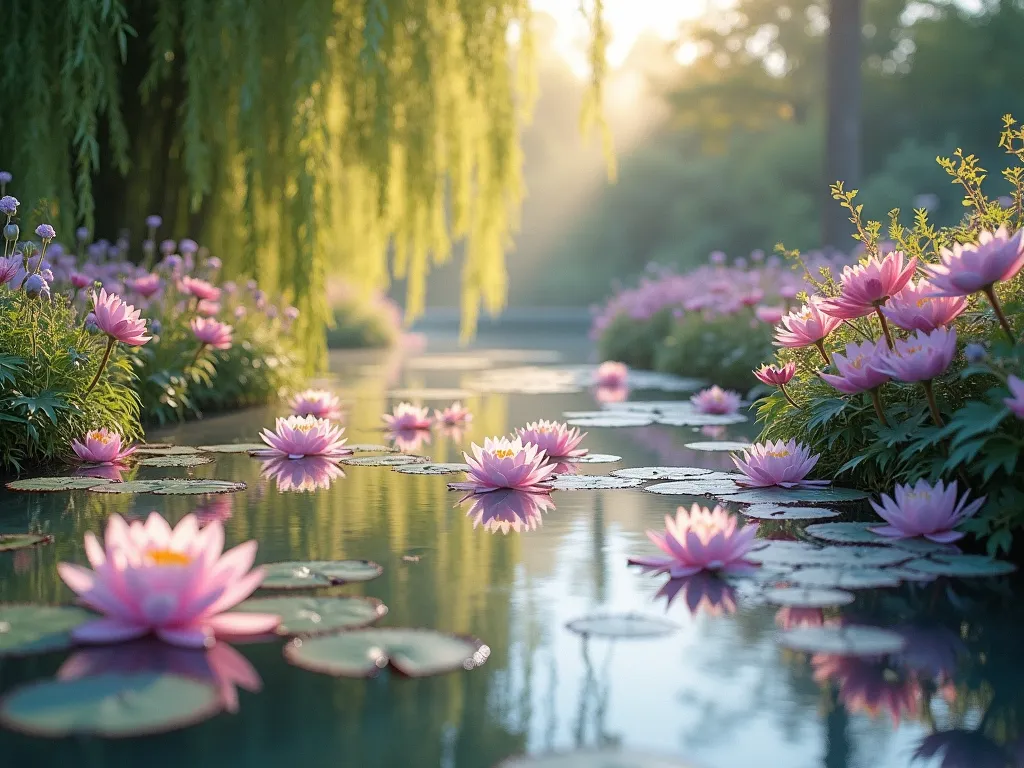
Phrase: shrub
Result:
[723,349]
[361,321]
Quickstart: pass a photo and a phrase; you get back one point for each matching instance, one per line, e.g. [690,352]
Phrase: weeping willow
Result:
[296,138]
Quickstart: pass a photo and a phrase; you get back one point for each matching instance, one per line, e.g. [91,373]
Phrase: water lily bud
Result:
[34,286]
[90,323]
[975,353]
[30,249]
[11,232]
[155,326]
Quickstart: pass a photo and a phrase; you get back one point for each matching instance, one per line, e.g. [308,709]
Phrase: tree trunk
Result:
[843,95]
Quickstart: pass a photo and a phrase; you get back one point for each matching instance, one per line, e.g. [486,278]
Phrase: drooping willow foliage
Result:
[297,137]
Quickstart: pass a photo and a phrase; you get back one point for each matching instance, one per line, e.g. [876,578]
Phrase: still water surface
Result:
[718,693]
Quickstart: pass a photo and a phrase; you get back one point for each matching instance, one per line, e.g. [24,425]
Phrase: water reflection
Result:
[702,592]
[304,475]
[507,509]
[409,440]
[113,472]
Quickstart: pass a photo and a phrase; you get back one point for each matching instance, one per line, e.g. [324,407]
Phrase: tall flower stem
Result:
[885,327]
[990,293]
[932,405]
[785,394]
[820,344]
[876,400]
[103,364]
[195,358]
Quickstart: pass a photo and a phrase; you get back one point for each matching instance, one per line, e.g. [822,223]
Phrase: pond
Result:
[704,681]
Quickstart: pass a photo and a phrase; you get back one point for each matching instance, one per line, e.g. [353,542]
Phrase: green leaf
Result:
[823,411]
[29,629]
[307,615]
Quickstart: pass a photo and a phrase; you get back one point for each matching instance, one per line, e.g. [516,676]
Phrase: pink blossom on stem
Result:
[858,368]
[920,357]
[806,326]
[776,376]
[915,308]
[212,333]
[868,285]
[118,319]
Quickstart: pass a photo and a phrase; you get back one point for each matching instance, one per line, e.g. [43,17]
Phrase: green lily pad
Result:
[789,553]
[297,574]
[364,652]
[50,484]
[666,382]
[595,458]
[12,541]
[613,420]
[718,445]
[798,597]
[307,615]
[716,484]
[233,448]
[584,414]
[174,486]
[844,640]
[431,469]
[165,450]
[28,629]
[110,704]
[697,419]
[830,495]
[849,578]
[601,758]
[621,625]
[370,448]
[965,566]
[591,483]
[664,473]
[393,460]
[861,533]
[183,460]
[783,514]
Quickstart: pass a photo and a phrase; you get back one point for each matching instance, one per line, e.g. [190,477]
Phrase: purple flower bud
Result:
[271,311]
[148,246]
[155,326]
[167,247]
[292,313]
[90,323]
[239,312]
[11,232]
[757,256]
[230,288]
[975,353]
[252,285]
[30,249]
[6,177]
[718,257]
[82,233]
[213,263]
[124,243]
[56,250]
[46,232]
[96,250]
[153,221]
[9,205]
[188,246]
[34,286]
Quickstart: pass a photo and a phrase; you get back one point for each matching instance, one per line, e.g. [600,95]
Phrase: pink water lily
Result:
[299,436]
[507,510]
[175,583]
[868,285]
[1016,400]
[806,326]
[920,357]
[316,402]
[700,539]
[101,446]
[858,369]
[305,475]
[774,375]
[931,511]
[611,374]
[557,440]
[716,400]
[971,267]
[454,415]
[916,308]
[504,463]
[118,320]
[777,463]
[407,416]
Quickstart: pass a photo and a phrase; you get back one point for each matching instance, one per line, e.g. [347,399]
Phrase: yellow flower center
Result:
[304,427]
[544,430]
[101,437]
[857,362]
[779,454]
[912,350]
[164,557]
[922,302]
[504,453]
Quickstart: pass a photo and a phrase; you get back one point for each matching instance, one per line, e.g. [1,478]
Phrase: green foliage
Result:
[362,319]
[47,363]
[723,349]
[976,440]
[634,342]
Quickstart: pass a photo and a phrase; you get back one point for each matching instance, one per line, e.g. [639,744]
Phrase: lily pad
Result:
[830,495]
[666,382]
[50,484]
[789,553]
[364,652]
[601,758]
[663,473]
[621,625]
[110,704]
[715,484]
[718,445]
[783,514]
[697,419]
[848,578]
[174,486]
[430,393]
[808,598]
[165,450]
[965,566]
[370,448]
[184,460]
[308,615]
[861,533]
[595,458]
[844,640]
[432,469]
[11,541]
[233,448]
[297,574]
[392,460]
[591,483]
[28,629]
[613,420]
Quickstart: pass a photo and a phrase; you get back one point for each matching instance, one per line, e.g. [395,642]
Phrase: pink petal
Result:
[103,631]
[195,636]
[945,537]
[243,623]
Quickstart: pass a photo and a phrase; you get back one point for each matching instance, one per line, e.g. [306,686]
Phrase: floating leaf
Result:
[296,574]
[775,553]
[718,445]
[602,758]
[697,419]
[165,450]
[798,597]
[174,486]
[595,458]
[184,460]
[966,566]
[715,484]
[584,414]
[370,448]
[861,533]
[307,615]
[591,483]
[12,541]
[392,460]
[49,484]
[621,625]
[782,514]
[666,382]
[233,448]
[830,495]
[28,629]
[845,640]
[428,393]
[613,420]
[852,578]
[664,473]
[364,652]
[110,704]
[432,469]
